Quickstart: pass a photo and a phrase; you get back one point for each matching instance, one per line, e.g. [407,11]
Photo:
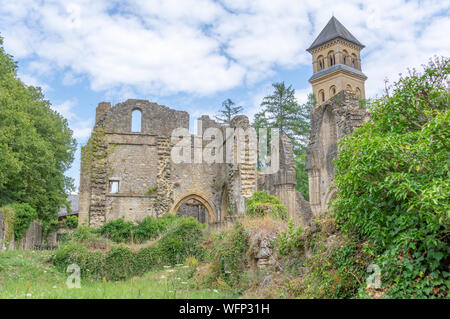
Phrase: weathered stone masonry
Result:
[330,122]
[151,184]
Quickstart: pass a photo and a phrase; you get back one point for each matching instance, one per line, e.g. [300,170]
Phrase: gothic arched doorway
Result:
[196,206]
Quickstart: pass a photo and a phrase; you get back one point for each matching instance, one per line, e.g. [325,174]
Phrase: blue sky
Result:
[193,54]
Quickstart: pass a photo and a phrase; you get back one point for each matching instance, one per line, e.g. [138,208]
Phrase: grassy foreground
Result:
[29,274]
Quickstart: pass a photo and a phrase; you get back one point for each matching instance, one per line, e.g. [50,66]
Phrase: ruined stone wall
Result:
[156,119]
[282,184]
[31,239]
[242,173]
[150,183]
[139,161]
[330,122]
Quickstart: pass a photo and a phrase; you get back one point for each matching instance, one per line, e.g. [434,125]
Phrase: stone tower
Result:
[336,62]
[338,84]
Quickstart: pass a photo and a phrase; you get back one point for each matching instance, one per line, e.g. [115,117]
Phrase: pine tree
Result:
[228,111]
[281,110]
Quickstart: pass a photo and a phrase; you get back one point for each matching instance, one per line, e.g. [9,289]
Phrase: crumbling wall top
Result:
[155,119]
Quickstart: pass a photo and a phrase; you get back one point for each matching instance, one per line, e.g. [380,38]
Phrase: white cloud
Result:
[32,81]
[302,95]
[65,109]
[201,47]
[81,128]
[81,132]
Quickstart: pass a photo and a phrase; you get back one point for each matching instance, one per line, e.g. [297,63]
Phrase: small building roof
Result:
[73,201]
[334,29]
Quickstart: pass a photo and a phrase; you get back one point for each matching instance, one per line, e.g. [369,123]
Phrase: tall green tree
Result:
[282,110]
[228,111]
[36,146]
[393,183]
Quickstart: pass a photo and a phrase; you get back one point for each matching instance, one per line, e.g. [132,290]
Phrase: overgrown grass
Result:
[29,274]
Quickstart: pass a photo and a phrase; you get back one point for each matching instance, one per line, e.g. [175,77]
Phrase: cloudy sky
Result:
[193,54]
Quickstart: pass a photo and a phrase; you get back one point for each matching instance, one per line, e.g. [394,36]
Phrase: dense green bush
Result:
[393,183]
[150,227]
[165,221]
[71,221]
[147,258]
[84,234]
[117,230]
[117,264]
[333,272]
[261,204]
[229,254]
[24,214]
[120,263]
[289,242]
[182,239]
[91,263]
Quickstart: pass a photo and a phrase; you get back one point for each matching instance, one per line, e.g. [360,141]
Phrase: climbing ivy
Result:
[8,220]
[393,182]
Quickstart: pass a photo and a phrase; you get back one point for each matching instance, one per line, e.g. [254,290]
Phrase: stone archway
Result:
[198,198]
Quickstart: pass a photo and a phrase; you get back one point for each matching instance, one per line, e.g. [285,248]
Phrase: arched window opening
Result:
[358,92]
[354,61]
[322,95]
[136,121]
[331,58]
[345,54]
[321,63]
[332,90]
[348,87]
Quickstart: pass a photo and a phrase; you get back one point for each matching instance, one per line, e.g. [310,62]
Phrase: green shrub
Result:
[182,239]
[230,254]
[393,185]
[262,204]
[165,221]
[71,221]
[91,263]
[24,215]
[117,264]
[117,230]
[84,234]
[148,228]
[290,241]
[335,272]
[120,263]
[147,259]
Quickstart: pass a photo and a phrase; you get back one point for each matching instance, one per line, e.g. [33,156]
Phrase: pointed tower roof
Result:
[334,29]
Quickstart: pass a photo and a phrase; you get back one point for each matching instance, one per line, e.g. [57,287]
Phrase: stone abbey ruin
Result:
[129,172]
